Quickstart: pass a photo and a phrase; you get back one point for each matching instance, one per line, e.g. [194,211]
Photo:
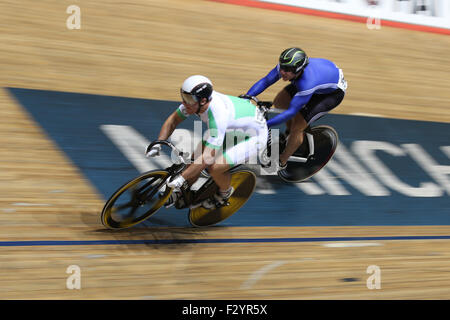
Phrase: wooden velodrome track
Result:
[145,48]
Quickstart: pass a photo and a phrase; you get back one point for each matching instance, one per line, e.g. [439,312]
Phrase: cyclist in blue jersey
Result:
[317,86]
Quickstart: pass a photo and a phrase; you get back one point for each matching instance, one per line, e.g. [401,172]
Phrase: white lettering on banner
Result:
[330,183]
[310,188]
[446,150]
[366,152]
[132,144]
[350,170]
[343,167]
[438,172]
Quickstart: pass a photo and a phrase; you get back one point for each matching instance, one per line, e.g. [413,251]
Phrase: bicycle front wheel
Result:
[136,200]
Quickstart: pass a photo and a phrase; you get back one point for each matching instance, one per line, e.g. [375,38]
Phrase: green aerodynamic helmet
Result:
[293,60]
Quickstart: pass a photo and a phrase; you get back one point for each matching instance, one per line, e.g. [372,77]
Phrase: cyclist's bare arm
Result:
[169,126]
[193,170]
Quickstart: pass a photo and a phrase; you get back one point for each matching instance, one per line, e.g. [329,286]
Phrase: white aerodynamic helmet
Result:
[195,88]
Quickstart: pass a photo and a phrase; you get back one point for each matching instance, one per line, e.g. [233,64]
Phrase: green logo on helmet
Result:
[293,57]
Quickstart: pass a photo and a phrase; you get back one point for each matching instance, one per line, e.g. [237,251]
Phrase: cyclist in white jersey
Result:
[222,114]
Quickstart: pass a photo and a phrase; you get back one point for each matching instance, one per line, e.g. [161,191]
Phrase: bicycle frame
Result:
[175,168]
[266,107]
[190,197]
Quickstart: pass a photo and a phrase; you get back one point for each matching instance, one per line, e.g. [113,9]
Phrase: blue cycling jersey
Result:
[320,76]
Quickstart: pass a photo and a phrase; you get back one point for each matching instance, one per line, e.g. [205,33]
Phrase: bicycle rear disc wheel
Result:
[325,144]
[243,182]
[136,200]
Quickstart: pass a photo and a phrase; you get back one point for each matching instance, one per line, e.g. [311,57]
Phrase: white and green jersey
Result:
[232,116]
[228,113]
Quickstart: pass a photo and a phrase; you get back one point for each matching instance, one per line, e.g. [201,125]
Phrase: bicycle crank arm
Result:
[297,159]
[310,139]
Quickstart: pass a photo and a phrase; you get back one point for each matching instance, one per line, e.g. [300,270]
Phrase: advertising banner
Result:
[431,13]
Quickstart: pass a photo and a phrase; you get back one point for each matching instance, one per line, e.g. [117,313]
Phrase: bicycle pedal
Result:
[222,204]
[194,206]
[180,203]
[266,165]
[215,205]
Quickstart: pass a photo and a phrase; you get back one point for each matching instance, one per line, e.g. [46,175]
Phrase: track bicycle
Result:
[143,196]
[318,147]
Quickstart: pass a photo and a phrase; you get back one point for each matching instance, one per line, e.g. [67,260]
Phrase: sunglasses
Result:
[288,69]
[187,97]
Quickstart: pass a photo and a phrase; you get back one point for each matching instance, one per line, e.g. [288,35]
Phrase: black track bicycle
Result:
[143,196]
[318,147]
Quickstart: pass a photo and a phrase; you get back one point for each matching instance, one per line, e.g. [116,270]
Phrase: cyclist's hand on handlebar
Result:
[249,97]
[245,96]
[152,152]
[177,182]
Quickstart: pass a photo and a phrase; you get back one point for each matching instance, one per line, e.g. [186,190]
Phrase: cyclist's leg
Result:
[246,151]
[318,106]
[321,104]
[176,197]
[283,99]
[219,172]
[196,158]
[295,138]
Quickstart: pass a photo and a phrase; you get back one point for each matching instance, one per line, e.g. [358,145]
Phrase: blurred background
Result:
[143,50]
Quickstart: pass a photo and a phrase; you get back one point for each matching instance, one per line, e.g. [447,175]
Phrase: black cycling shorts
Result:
[319,104]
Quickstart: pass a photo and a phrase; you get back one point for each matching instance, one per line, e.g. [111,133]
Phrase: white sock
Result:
[225,193]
